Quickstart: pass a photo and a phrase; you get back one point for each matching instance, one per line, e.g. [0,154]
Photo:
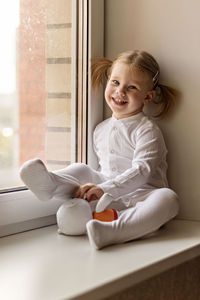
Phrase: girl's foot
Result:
[37,178]
[100,234]
[44,184]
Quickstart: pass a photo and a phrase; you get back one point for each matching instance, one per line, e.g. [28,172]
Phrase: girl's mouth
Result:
[119,102]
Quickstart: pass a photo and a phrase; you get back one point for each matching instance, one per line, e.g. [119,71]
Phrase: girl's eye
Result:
[115,82]
[132,87]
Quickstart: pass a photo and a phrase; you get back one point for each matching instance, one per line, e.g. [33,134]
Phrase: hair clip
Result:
[155,79]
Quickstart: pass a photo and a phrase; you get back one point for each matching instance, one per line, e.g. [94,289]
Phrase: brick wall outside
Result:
[44,66]
[31,86]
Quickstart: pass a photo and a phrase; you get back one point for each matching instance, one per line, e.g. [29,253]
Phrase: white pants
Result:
[146,216]
[148,213]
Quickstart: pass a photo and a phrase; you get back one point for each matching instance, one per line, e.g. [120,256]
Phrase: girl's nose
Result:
[121,92]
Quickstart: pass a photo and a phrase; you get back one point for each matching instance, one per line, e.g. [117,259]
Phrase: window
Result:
[37,111]
[50,110]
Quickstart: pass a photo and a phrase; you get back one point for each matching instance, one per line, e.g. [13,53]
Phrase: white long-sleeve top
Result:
[131,154]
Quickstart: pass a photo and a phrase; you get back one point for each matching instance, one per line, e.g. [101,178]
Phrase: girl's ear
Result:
[149,96]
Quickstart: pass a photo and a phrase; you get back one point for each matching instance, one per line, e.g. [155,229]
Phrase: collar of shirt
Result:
[126,122]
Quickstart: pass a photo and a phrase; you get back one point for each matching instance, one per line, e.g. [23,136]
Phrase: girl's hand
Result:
[89,192]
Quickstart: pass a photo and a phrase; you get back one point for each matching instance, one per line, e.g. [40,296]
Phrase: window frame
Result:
[20,210]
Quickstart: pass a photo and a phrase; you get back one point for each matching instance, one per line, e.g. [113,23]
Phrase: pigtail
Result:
[165,99]
[99,70]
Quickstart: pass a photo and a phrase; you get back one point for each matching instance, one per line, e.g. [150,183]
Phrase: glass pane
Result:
[37,116]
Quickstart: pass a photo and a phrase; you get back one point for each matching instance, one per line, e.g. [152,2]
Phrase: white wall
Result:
[170,31]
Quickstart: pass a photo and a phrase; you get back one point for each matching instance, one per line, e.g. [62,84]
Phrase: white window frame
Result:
[95,98]
[21,210]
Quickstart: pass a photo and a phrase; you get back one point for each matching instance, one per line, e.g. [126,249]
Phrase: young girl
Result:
[131,178]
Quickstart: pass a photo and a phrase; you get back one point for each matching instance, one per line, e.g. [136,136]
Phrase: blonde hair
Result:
[165,95]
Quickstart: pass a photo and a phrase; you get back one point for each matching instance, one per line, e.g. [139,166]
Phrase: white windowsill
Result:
[43,265]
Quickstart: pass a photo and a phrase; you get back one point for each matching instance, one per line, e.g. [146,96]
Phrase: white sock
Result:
[44,184]
[100,234]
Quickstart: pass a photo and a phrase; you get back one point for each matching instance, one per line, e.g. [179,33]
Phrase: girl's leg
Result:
[145,217]
[60,184]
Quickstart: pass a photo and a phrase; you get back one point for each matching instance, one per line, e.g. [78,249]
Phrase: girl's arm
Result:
[150,150]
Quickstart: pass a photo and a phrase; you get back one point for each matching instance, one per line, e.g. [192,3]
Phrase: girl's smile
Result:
[127,90]
[119,102]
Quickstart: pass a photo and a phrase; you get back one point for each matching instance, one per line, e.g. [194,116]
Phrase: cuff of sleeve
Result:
[109,187]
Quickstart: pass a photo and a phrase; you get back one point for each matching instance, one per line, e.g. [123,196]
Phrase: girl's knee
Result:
[74,168]
[171,199]
[79,170]
[72,217]
[169,194]
[79,166]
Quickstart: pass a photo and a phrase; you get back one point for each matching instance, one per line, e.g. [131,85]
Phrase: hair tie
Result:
[158,90]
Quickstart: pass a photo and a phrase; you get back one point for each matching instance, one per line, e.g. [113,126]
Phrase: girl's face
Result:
[127,90]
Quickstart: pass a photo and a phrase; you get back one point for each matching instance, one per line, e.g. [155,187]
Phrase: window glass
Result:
[37,114]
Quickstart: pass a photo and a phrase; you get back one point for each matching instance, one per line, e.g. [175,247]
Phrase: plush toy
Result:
[74,214]
[108,215]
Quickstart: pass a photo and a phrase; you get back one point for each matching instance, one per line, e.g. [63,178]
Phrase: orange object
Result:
[108,215]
